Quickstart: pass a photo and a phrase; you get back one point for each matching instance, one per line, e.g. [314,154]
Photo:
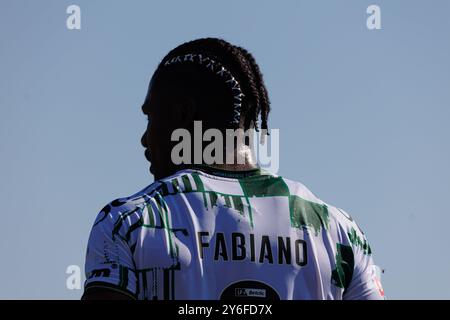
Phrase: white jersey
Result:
[212,234]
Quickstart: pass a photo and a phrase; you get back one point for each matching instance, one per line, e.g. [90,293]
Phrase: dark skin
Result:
[167,112]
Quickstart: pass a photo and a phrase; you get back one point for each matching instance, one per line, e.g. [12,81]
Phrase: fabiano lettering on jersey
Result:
[272,250]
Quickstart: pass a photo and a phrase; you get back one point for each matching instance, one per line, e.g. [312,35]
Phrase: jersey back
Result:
[212,234]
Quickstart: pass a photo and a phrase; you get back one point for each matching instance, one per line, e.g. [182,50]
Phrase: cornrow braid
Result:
[264,105]
[241,65]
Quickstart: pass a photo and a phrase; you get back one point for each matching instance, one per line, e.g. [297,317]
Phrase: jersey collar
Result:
[233,174]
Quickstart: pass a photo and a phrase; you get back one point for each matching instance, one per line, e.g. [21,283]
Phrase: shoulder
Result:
[332,216]
[297,188]
[127,210]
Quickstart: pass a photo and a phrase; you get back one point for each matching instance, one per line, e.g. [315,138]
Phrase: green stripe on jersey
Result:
[151,217]
[175,185]
[345,262]
[264,186]
[187,183]
[306,214]
[358,242]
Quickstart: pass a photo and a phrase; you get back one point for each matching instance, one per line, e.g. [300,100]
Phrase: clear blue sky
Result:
[363,118]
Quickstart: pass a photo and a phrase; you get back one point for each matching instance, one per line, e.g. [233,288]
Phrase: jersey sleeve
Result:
[109,261]
[365,283]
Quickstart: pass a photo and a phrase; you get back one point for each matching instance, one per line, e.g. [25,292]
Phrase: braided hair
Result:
[251,101]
